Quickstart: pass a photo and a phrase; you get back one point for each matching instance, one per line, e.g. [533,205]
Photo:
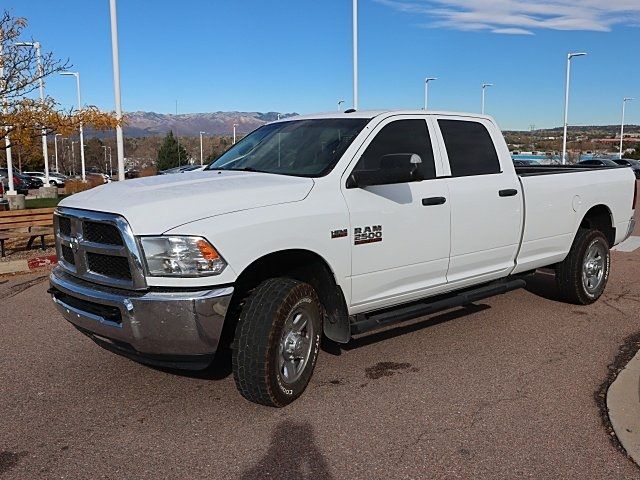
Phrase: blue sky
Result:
[295,55]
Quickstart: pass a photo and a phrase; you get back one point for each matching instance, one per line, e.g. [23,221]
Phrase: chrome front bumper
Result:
[168,328]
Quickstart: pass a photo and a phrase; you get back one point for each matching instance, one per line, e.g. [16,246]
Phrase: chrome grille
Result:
[98,247]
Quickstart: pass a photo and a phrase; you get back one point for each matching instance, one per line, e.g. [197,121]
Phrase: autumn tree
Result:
[171,153]
[22,118]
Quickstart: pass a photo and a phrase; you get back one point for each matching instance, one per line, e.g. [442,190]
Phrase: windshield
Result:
[306,148]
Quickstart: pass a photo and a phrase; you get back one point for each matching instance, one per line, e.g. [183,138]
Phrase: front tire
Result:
[277,341]
[583,275]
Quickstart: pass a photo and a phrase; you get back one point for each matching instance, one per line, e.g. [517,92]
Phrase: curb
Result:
[623,404]
[20,266]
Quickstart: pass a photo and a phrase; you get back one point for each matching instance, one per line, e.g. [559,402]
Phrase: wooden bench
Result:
[30,223]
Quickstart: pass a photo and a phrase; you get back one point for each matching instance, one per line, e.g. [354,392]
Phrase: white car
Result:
[332,225]
[55,180]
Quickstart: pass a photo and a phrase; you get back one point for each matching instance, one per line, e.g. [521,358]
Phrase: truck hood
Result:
[153,205]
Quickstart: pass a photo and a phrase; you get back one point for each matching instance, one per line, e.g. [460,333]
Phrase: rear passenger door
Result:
[486,201]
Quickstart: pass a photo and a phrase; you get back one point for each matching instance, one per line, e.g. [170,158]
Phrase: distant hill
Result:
[150,124]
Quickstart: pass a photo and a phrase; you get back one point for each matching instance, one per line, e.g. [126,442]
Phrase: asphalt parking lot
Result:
[501,389]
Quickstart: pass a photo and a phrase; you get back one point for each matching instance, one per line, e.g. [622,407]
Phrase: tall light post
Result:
[55,146]
[340,102]
[484,88]
[77,75]
[45,153]
[234,133]
[355,54]
[11,190]
[115,55]
[566,103]
[426,90]
[624,104]
[201,152]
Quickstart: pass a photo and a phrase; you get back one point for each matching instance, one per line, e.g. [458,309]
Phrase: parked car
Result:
[598,162]
[629,162]
[31,182]
[333,225]
[19,184]
[55,180]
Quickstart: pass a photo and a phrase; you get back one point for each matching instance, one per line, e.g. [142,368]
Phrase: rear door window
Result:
[469,147]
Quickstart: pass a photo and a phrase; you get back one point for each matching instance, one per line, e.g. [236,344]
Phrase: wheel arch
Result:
[599,217]
[299,264]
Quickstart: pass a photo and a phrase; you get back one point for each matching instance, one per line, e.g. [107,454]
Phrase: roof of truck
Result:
[375,113]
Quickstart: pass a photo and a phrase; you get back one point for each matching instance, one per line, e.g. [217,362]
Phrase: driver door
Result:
[401,231]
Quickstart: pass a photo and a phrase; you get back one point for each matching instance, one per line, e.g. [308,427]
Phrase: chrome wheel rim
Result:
[593,267]
[295,345]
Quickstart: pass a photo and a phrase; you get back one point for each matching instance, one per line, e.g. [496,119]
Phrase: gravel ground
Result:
[501,389]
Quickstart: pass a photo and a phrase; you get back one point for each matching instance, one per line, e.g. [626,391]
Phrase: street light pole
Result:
[45,153]
[426,91]
[11,190]
[340,102]
[624,104]
[234,133]
[566,104]
[201,153]
[484,87]
[116,86]
[55,144]
[77,75]
[355,54]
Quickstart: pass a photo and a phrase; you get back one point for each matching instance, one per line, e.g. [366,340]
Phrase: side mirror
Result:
[394,168]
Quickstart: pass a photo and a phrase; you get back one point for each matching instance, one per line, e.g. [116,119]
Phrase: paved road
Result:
[504,389]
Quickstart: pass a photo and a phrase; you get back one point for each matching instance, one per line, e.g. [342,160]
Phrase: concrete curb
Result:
[20,266]
[623,404]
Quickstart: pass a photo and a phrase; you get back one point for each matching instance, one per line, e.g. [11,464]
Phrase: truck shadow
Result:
[543,284]
[293,454]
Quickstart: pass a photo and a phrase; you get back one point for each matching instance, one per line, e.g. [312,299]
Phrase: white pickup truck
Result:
[330,225]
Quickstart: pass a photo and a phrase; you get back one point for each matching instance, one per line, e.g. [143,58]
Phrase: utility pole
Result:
[566,104]
[116,86]
[355,54]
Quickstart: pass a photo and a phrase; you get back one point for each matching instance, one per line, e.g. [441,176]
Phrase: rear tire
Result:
[277,341]
[583,275]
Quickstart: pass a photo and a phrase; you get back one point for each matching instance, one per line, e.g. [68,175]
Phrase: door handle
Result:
[509,192]
[427,202]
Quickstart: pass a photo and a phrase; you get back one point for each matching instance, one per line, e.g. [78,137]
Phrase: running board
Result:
[365,322]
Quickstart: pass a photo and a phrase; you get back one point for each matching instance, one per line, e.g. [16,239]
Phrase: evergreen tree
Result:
[171,153]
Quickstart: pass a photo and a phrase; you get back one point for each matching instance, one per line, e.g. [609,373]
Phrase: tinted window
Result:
[400,137]
[469,147]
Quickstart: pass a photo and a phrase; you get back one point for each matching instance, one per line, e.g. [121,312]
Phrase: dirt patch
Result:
[626,352]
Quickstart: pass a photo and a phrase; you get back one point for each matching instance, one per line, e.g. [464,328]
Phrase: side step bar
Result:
[365,322]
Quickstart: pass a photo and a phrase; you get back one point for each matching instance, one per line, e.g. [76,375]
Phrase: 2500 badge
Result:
[370,234]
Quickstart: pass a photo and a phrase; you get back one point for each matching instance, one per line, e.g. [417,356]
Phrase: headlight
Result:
[178,256]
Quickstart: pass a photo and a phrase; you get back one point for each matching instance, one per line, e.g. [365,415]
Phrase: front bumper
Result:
[173,328]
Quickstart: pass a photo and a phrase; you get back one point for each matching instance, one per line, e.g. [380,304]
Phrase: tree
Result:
[635,154]
[171,153]
[23,119]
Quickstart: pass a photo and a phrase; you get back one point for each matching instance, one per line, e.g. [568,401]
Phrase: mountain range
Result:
[151,124]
